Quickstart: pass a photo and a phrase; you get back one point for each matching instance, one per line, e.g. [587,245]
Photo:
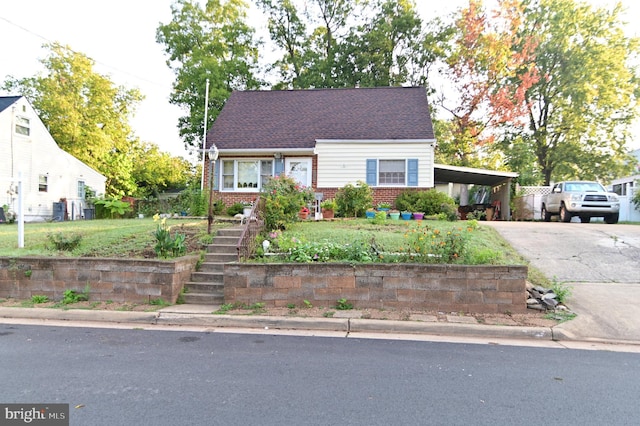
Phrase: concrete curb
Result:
[351,326]
[80,315]
[448,329]
[324,324]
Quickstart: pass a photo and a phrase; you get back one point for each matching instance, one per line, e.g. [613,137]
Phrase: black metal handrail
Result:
[253,225]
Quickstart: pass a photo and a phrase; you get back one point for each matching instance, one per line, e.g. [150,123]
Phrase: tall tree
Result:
[385,50]
[155,171]
[213,43]
[86,114]
[581,109]
[485,54]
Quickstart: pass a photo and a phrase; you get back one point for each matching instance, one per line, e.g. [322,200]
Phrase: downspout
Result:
[11,132]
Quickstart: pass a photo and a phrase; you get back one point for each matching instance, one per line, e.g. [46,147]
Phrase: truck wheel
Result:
[612,219]
[565,216]
[546,216]
[585,219]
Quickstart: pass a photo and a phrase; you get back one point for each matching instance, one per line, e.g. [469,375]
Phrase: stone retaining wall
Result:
[119,280]
[446,288]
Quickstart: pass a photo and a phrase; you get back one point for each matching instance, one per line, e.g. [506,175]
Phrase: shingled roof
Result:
[294,119]
[7,101]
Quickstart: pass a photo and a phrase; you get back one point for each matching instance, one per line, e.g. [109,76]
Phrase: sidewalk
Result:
[199,318]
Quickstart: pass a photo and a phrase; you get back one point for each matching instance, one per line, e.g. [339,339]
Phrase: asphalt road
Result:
[600,263]
[135,377]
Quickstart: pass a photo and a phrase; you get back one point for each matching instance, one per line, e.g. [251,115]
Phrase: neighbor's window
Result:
[43,184]
[245,175]
[22,126]
[391,172]
[81,190]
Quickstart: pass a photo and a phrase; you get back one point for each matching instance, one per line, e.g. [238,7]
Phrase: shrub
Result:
[431,203]
[284,197]
[235,208]
[354,200]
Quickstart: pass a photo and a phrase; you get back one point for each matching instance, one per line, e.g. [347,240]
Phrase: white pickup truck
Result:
[584,199]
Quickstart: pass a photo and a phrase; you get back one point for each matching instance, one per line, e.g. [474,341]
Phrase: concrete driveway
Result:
[600,262]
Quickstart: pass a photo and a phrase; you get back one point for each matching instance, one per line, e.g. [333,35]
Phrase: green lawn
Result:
[100,238]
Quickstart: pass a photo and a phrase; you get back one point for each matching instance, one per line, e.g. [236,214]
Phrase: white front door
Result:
[299,169]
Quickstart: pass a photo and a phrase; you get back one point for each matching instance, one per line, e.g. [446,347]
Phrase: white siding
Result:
[343,162]
[35,155]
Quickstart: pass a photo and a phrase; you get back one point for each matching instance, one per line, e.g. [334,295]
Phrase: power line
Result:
[116,69]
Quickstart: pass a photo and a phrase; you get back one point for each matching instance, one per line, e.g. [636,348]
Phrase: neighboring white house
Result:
[49,174]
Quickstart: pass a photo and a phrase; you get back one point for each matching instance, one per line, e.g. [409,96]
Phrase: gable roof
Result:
[294,119]
[7,101]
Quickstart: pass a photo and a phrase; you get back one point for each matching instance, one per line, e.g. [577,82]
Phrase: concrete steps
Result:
[206,286]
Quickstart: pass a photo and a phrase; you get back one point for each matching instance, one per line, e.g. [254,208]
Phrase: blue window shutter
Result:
[412,172]
[372,172]
[278,166]
[216,173]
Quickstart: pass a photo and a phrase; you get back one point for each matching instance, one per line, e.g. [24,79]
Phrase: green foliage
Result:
[329,204]
[581,112]
[207,41]
[343,305]
[561,290]
[168,245]
[85,113]
[431,245]
[194,202]
[327,251]
[64,242]
[354,200]
[235,208]
[283,197]
[114,207]
[431,202]
[307,304]
[159,302]
[39,298]
[72,296]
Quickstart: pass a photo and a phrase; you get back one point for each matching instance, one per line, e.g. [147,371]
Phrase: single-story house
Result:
[325,138]
[48,173]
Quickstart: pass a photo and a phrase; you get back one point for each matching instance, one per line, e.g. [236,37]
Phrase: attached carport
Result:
[499,182]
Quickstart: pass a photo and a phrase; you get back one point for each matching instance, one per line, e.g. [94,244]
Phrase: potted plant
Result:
[370,213]
[328,207]
[384,207]
[394,214]
[405,215]
[418,215]
[303,213]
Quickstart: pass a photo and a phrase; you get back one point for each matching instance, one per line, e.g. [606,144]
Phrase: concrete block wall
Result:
[119,280]
[446,288]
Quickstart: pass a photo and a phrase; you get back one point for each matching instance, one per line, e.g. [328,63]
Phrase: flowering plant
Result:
[304,209]
[166,244]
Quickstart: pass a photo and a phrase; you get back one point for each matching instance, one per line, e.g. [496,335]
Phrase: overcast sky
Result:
[120,36]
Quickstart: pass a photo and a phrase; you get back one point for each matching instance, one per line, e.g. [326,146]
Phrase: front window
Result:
[43,184]
[245,175]
[391,172]
[23,126]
